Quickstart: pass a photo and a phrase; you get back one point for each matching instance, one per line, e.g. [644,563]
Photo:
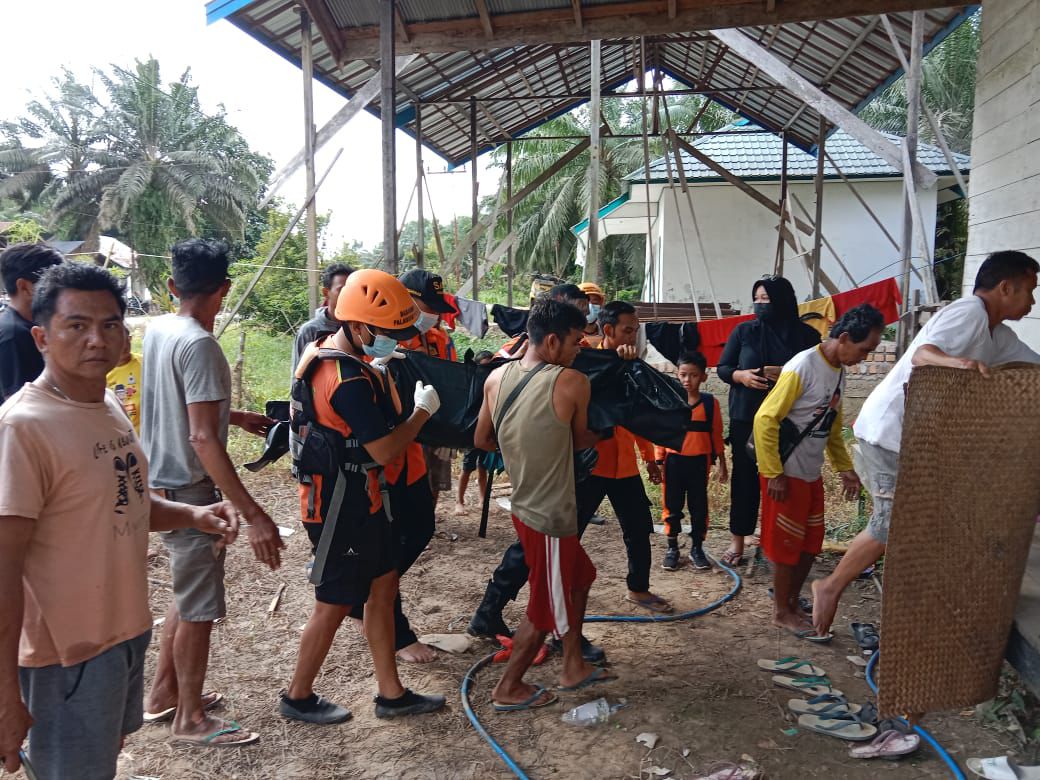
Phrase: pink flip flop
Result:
[891,744]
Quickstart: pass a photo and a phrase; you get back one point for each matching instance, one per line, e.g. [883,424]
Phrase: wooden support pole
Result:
[388,115]
[222,325]
[420,251]
[825,105]
[737,182]
[826,243]
[913,101]
[821,139]
[862,201]
[778,265]
[591,270]
[307,66]
[474,185]
[509,223]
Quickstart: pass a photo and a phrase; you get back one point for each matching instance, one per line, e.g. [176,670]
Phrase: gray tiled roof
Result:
[751,154]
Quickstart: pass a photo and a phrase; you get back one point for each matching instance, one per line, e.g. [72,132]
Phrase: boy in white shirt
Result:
[969,334]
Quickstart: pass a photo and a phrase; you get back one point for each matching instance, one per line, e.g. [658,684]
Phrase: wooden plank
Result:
[823,104]
[485,18]
[826,243]
[617,20]
[579,22]
[591,270]
[354,106]
[503,246]
[1016,166]
[821,139]
[736,181]
[388,146]
[307,69]
[326,25]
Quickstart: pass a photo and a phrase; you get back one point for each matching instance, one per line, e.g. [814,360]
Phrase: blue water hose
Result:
[955,770]
[470,677]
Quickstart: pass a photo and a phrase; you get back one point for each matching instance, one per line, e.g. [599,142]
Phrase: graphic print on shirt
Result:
[128,477]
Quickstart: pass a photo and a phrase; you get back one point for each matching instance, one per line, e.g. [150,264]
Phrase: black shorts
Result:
[472,459]
[362,550]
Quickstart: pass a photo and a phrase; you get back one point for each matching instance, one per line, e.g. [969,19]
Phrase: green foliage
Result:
[25,229]
[141,161]
[278,303]
[265,369]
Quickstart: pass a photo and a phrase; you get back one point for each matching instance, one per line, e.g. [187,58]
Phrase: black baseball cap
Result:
[428,288]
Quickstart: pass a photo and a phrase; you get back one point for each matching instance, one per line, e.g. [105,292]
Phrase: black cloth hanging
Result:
[624,392]
[512,321]
[671,339]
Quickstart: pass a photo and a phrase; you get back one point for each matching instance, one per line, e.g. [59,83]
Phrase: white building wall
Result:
[1004,209]
[739,237]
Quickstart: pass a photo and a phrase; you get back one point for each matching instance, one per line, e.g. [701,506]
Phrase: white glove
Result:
[426,398]
[381,362]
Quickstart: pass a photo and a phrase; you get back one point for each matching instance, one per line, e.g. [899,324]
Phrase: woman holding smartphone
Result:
[750,363]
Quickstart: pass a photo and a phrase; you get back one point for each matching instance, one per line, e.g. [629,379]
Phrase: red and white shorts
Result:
[794,526]
[558,567]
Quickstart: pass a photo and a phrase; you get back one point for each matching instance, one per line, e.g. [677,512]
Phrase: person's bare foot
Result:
[790,620]
[519,694]
[571,677]
[825,606]
[460,509]
[417,653]
[358,624]
[212,732]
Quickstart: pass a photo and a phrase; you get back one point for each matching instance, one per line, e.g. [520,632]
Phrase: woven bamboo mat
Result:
[967,499]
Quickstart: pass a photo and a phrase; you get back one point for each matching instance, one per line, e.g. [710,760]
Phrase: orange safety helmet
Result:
[590,289]
[378,299]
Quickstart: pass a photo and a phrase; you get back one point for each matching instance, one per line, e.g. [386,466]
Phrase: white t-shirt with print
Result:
[960,330]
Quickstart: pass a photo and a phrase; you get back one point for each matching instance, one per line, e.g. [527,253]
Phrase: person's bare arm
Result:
[571,398]
[203,420]
[484,435]
[220,519]
[931,355]
[15,533]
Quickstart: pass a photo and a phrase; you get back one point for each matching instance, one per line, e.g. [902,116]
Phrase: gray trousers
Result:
[81,713]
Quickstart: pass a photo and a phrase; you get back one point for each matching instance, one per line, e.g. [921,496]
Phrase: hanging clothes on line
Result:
[671,339]
[472,315]
[883,296]
[449,318]
[512,321]
[818,314]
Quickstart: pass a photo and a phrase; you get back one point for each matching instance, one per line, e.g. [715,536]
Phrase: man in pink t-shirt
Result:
[75,512]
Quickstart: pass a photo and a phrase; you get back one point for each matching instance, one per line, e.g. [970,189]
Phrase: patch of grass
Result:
[266,369]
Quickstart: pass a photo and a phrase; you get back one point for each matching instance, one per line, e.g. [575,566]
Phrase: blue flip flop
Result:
[597,675]
[528,703]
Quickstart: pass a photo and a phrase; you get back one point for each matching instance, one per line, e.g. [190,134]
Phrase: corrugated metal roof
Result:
[751,153]
[520,87]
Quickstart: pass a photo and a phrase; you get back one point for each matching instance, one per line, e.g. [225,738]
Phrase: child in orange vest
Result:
[686,471]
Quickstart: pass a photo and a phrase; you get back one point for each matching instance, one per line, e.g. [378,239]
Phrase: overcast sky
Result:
[261,91]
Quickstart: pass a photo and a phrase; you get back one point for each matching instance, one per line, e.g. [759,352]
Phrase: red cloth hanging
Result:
[883,295]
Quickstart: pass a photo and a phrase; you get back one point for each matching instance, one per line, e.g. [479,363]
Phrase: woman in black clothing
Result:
[750,363]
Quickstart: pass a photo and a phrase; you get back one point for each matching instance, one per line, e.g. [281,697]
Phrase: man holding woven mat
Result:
[799,421]
[969,334]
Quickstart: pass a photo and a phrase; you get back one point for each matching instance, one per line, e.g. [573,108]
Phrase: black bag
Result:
[790,436]
[624,392]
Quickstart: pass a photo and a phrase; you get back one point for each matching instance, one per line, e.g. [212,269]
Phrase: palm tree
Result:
[543,220]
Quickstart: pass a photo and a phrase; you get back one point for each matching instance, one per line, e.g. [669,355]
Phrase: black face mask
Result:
[764,311]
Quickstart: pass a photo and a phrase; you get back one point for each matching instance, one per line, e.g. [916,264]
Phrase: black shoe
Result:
[699,559]
[313,709]
[671,559]
[593,654]
[408,703]
[597,520]
[488,625]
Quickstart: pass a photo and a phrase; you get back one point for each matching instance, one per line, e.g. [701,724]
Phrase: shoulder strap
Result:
[515,393]
[709,417]
[818,418]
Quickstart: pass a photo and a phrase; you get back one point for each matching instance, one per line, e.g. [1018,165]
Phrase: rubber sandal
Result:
[791,664]
[654,604]
[732,559]
[890,744]
[847,727]
[596,676]
[866,635]
[528,703]
[803,603]
[826,704]
[727,770]
[169,712]
[813,686]
[248,738]
[1002,768]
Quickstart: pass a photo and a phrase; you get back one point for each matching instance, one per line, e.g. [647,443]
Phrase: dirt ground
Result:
[695,683]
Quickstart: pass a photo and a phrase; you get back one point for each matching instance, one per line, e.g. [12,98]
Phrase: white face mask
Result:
[593,313]
[426,322]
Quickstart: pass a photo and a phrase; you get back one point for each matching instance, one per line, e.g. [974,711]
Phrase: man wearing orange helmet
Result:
[355,407]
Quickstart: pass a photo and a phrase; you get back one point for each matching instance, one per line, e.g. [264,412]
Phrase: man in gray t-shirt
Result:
[185,413]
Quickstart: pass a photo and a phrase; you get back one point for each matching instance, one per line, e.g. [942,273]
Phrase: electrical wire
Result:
[933,743]
[470,678]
